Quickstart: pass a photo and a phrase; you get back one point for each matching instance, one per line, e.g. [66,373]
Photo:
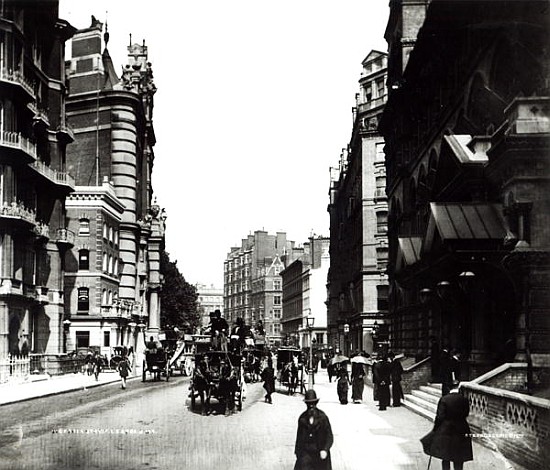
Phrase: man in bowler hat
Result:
[314,438]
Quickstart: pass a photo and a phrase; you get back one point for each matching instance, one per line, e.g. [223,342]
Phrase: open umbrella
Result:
[338,359]
[359,360]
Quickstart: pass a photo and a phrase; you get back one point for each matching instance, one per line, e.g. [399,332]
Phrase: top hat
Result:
[311,396]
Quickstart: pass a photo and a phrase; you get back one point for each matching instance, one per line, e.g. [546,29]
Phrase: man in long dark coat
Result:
[268,376]
[451,441]
[383,382]
[314,437]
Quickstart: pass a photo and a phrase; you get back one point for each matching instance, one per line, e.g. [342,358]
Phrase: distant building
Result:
[305,294]
[358,208]
[252,281]
[112,282]
[210,298]
[34,182]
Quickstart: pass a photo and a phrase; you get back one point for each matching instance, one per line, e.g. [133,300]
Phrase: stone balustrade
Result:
[514,424]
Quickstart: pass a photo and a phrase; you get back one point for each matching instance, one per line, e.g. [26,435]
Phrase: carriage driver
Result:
[218,331]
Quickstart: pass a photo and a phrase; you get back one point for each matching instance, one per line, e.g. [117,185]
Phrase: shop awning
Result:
[473,221]
[409,249]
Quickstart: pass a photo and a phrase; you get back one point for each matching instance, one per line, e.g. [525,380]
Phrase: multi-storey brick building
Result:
[357,282]
[305,294]
[252,281]
[113,279]
[33,179]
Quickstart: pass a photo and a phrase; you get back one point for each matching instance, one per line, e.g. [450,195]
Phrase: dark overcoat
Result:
[383,382]
[311,439]
[451,440]
[268,376]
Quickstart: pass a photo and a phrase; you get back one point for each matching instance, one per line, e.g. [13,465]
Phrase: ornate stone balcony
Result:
[18,79]
[64,237]
[41,230]
[40,115]
[16,141]
[58,177]
[65,133]
[16,210]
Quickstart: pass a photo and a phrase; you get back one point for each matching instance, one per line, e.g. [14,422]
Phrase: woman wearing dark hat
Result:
[314,437]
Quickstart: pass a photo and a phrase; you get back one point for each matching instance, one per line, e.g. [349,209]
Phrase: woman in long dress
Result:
[343,383]
[357,381]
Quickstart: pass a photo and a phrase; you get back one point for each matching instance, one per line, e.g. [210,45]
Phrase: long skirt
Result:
[357,388]
[342,388]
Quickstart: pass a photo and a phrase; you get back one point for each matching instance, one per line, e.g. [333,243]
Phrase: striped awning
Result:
[461,221]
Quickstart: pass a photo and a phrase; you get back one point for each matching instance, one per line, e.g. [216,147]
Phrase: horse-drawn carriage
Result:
[290,369]
[219,375]
[156,362]
[252,366]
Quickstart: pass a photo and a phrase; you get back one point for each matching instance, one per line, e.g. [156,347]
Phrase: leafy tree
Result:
[179,306]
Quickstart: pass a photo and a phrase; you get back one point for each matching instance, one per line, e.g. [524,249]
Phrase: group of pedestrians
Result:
[387,372]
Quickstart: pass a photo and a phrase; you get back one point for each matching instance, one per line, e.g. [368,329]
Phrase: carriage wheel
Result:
[167,372]
[144,371]
[182,369]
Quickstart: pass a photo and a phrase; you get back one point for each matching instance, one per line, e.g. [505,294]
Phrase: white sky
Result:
[253,106]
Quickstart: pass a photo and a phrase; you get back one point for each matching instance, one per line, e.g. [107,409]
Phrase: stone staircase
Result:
[424,400]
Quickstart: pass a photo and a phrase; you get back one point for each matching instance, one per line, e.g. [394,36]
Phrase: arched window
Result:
[105,231]
[104,297]
[83,259]
[115,272]
[110,298]
[104,264]
[111,270]
[111,235]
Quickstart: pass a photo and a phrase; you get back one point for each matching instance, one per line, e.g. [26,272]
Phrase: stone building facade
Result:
[33,178]
[467,139]
[210,298]
[357,281]
[113,272]
[305,293]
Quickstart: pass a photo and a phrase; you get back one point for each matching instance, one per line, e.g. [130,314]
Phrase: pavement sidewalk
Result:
[367,437]
[44,385]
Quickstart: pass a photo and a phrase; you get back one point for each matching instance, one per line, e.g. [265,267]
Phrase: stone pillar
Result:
[124,176]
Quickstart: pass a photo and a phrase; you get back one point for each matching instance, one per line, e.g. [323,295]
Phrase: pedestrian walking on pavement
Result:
[396,374]
[343,383]
[124,368]
[314,437]
[268,376]
[384,378]
[357,379]
[96,365]
[450,438]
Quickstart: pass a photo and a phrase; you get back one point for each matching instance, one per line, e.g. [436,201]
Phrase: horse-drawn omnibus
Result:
[290,369]
[218,375]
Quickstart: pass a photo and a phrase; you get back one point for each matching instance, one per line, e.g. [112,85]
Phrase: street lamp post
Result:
[346,332]
[66,326]
[310,321]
